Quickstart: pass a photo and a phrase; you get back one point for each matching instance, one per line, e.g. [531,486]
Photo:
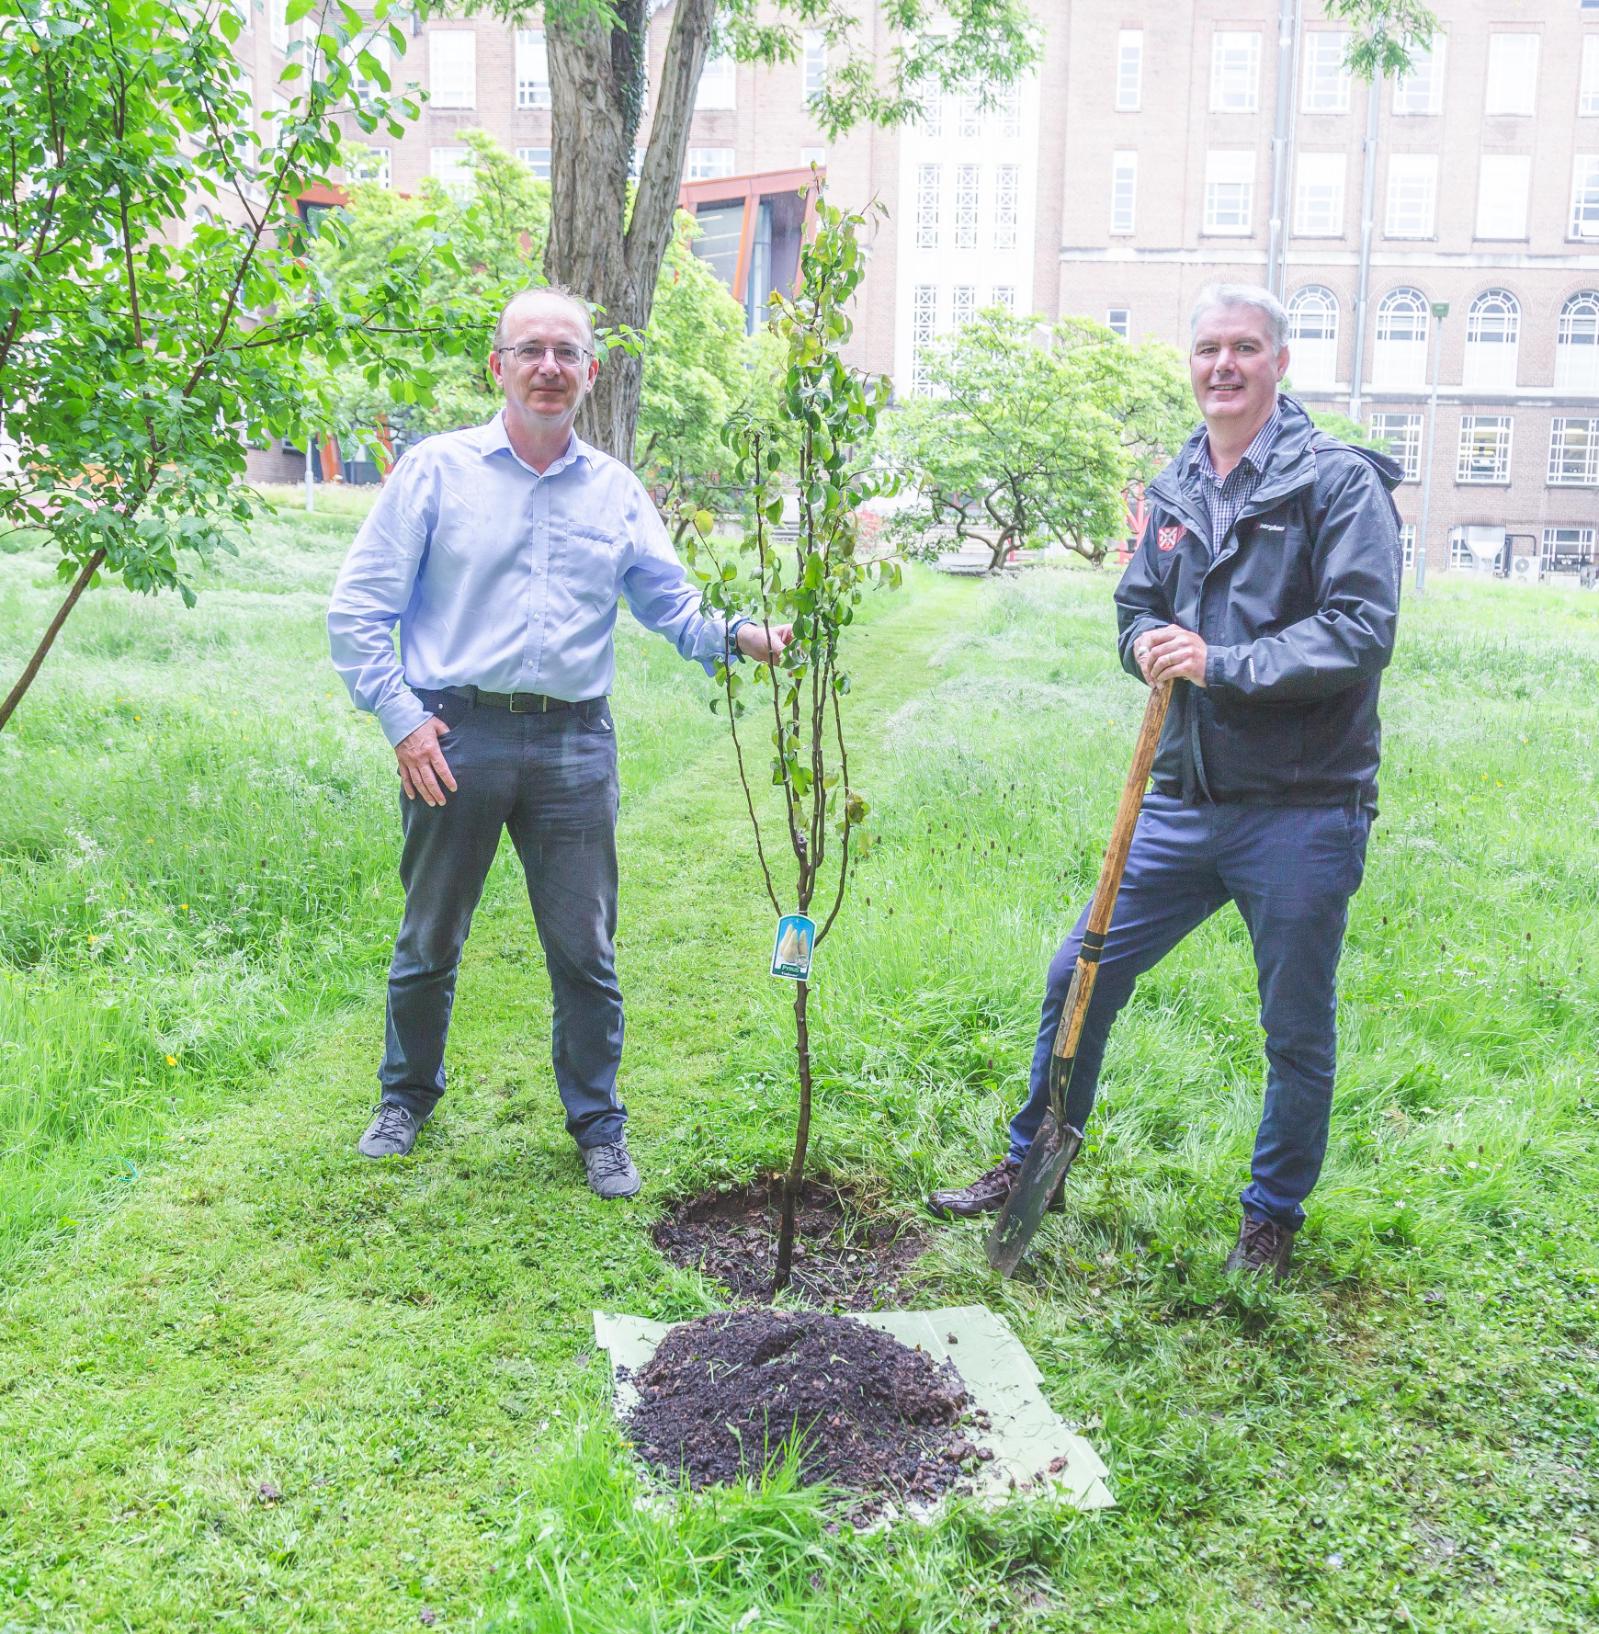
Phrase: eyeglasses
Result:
[533,351]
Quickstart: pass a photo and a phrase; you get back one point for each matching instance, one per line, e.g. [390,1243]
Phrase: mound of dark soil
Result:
[840,1256]
[722,1396]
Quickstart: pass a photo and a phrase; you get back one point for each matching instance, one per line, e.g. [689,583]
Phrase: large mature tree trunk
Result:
[597,86]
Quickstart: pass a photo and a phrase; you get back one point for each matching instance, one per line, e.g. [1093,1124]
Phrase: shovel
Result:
[1057,1142]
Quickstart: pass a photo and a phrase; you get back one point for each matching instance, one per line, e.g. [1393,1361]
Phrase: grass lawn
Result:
[249,1380]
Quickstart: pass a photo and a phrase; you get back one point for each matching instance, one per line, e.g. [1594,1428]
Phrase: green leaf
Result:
[295,10]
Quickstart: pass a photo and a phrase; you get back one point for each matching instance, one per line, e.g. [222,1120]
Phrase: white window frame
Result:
[1123,191]
[1118,319]
[1402,433]
[1483,458]
[967,196]
[1325,85]
[1461,556]
[1577,342]
[1510,85]
[1313,336]
[1319,195]
[813,65]
[1493,339]
[1584,223]
[532,69]
[1129,70]
[1007,205]
[1577,540]
[1003,295]
[1420,93]
[1407,545]
[1230,192]
[1235,71]
[1588,79]
[717,91]
[929,180]
[373,163]
[707,164]
[1399,354]
[1578,435]
[962,305]
[924,327]
[278,23]
[1411,210]
[452,68]
[449,165]
[1504,182]
[537,160]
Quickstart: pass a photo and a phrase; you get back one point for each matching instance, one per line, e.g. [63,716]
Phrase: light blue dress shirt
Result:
[503,579]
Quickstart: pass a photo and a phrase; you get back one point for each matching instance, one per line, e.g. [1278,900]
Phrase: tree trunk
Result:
[795,1178]
[79,585]
[597,84]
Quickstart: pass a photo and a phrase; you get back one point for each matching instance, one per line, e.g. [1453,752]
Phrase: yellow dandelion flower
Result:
[93,938]
[172,1060]
[184,906]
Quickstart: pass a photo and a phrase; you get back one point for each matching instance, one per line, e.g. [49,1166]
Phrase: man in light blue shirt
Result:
[501,552]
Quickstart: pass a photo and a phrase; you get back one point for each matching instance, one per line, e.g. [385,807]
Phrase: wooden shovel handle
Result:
[1110,873]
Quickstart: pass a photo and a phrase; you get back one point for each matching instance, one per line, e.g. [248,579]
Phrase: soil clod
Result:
[842,1258]
[724,1396]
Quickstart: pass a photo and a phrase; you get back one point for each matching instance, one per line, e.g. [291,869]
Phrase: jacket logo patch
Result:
[1169,538]
[1273,527]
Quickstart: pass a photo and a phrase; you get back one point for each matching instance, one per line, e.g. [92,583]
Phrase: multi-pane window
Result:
[1412,195]
[1234,72]
[962,305]
[1484,448]
[278,23]
[1502,186]
[451,167]
[1313,335]
[1421,89]
[532,69]
[1585,196]
[815,63]
[971,116]
[716,92]
[1319,195]
[1493,330]
[1461,555]
[1407,544]
[1117,320]
[1129,70]
[368,164]
[1123,190]
[1588,84]
[537,160]
[933,112]
[1402,433]
[1577,343]
[1229,190]
[1400,355]
[1326,86]
[382,55]
[927,181]
[1573,452]
[1566,550]
[452,68]
[1007,190]
[1005,296]
[965,207]
[1008,112]
[708,164]
[1512,74]
[924,315]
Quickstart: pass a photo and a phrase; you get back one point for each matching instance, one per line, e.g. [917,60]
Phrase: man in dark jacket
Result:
[1266,585]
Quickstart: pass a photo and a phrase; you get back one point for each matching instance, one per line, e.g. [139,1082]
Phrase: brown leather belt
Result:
[519,703]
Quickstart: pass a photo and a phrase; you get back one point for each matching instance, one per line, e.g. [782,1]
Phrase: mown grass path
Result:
[268,1385]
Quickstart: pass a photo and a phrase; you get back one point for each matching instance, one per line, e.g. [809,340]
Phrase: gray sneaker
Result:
[391,1133]
[610,1170]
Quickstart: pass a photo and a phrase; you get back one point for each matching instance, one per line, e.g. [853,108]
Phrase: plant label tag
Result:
[791,952]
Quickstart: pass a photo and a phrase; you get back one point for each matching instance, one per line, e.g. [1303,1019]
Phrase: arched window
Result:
[1577,343]
[1313,336]
[1493,328]
[1400,355]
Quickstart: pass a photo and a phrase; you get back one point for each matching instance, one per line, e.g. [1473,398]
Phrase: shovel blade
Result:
[1043,1169]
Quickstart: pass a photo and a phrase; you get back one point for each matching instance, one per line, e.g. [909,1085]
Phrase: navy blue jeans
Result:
[551,781]
[1292,871]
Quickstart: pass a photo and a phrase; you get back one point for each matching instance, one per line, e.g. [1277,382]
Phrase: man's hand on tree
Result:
[763,642]
[423,768]
[1171,653]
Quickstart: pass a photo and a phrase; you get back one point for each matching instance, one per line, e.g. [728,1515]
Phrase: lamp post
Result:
[1440,311]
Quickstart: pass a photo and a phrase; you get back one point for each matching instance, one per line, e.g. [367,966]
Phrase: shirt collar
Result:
[1255,456]
[496,439]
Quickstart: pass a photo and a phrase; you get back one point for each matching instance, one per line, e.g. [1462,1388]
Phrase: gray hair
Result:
[1251,295]
[558,290]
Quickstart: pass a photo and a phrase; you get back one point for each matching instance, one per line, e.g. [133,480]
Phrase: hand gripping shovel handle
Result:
[1057,1143]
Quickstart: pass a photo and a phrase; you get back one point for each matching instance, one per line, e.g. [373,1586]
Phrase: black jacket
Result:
[1298,609]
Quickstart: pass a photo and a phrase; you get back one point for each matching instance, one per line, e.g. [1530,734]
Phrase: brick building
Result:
[1157,147]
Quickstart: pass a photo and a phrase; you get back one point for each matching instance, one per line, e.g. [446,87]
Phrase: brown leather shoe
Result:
[987,1194]
[1262,1246]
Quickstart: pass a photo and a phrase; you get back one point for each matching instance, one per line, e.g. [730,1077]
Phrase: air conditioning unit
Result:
[1525,570]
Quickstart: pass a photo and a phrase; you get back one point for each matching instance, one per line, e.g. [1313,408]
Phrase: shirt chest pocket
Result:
[592,561]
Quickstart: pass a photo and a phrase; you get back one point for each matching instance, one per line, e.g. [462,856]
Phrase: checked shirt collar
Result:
[1224,498]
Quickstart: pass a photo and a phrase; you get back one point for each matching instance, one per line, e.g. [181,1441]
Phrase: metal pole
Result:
[310,478]
[1368,195]
[1440,311]
[1282,147]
